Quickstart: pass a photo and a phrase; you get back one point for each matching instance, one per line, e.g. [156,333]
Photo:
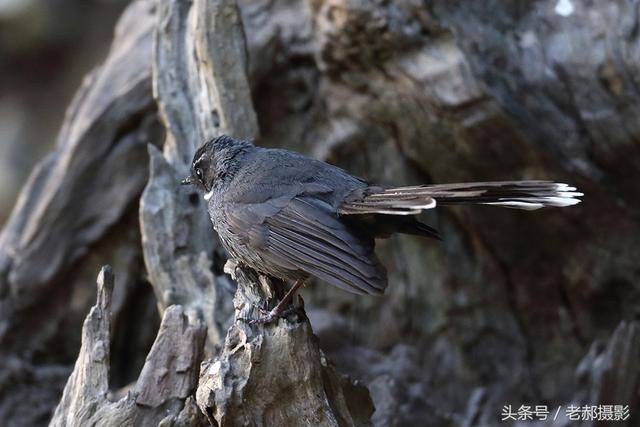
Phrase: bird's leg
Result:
[287,311]
[279,309]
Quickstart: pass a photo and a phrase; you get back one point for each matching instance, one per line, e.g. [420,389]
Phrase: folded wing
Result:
[303,233]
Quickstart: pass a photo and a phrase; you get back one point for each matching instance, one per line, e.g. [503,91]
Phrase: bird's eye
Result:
[199,173]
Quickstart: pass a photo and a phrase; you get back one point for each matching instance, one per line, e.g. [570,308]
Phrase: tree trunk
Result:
[512,308]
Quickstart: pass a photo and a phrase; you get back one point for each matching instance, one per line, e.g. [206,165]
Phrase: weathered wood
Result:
[200,85]
[74,214]
[409,92]
[398,92]
[97,144]
[168,378]
[88,384]
[276,374]
[200,75]
[178,257]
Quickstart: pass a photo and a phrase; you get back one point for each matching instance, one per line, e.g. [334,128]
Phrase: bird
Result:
[289,216]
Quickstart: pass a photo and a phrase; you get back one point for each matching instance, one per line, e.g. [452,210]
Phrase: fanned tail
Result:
[528,195]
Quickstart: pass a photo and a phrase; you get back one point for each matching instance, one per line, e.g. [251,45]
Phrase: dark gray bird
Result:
[290,216]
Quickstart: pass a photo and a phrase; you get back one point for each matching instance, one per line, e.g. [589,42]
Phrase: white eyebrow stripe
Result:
[199,158]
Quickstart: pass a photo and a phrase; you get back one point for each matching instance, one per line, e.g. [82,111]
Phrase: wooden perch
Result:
[162,391]
[276,374]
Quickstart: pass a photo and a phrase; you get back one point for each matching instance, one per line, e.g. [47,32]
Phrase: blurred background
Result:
[46,47]
[511,308]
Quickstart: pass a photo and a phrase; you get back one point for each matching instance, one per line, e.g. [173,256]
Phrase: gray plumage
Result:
[290,216]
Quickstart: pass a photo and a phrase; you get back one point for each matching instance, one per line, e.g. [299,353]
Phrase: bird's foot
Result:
[267,317]
[274,314]
[280,309]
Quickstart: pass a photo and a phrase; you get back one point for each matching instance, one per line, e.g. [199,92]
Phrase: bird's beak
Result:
[186,181]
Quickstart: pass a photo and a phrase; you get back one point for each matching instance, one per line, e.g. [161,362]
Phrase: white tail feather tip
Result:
[560,202]
[529,206]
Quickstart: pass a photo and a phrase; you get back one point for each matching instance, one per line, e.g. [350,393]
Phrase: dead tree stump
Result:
[276,374]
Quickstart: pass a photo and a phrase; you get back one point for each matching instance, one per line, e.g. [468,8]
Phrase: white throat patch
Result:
[208,195]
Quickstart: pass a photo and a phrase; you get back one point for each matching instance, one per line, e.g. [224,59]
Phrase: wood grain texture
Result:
[276,374]
[160,395]
[75,213]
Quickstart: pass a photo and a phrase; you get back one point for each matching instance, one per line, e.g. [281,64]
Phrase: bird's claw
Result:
[268,316]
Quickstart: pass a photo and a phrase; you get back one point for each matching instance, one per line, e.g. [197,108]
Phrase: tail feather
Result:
[418,228]
[528,195]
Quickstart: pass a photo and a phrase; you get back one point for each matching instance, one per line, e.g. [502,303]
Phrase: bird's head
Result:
[214,161]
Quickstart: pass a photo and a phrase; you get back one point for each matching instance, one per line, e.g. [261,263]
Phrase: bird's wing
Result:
[303,233]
